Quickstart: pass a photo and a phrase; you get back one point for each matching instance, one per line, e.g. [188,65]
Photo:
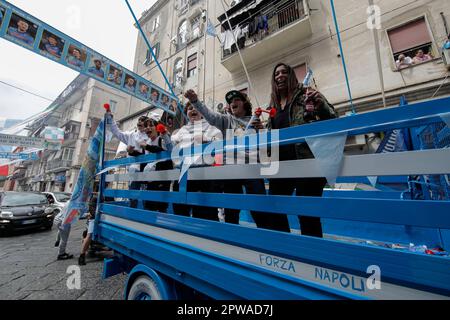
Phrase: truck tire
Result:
[144,288]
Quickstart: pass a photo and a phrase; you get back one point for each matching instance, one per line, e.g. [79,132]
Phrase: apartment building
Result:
[78,110]
[301,33]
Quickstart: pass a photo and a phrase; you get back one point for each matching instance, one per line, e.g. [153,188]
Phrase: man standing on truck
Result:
[133,140]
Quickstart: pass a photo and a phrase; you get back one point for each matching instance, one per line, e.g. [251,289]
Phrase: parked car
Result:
[58,199]
[25,210]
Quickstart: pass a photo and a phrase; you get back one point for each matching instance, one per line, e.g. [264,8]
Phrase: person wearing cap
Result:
[236,123]
[97,69]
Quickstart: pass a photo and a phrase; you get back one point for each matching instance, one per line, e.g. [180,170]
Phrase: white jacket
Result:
[187,136]
[131,138]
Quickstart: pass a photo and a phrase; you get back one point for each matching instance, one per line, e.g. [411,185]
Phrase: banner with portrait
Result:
[31,33]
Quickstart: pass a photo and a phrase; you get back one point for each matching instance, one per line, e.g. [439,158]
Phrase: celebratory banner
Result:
[29,32]
[85,184]
[20,141]
[28,142]
[19,156]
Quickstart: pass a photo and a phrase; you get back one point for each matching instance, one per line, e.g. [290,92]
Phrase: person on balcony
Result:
[297,105]
[421,57]
[236,124]
[197,131]
[403,62]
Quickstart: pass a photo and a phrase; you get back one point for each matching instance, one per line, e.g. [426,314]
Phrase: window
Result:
[183,5]
[192,65]
[300,72]
[68,154]
[113,105]
[178,73]
[156,23]
[149,57]
[182,33]
[195,27]
[411,43]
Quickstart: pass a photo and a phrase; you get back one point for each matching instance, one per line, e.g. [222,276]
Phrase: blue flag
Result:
[85,184]
[210,29]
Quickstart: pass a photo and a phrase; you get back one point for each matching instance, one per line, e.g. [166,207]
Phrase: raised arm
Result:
[122,136]
[218,120]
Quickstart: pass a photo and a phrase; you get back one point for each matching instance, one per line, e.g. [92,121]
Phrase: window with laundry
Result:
[178,73]
[182,33]
[192,65]
[149,57]
[411,43]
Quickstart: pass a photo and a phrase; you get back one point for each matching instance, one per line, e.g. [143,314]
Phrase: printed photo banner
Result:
[19,156]
[31,33]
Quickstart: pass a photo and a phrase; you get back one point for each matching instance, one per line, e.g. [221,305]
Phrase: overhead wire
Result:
[24,90]
[240,56]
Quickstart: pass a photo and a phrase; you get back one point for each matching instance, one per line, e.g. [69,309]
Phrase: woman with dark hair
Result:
[297,105]
[236,123]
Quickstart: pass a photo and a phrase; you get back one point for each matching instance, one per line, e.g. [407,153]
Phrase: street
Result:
[29,269]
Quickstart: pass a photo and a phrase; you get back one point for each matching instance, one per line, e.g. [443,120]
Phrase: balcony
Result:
[58,165]
[288,24]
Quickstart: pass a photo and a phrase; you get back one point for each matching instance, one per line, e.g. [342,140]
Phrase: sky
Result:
[104,25]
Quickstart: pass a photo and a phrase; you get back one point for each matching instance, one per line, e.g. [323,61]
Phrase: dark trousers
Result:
[157,186]
[307,187]
[134,186]
[200,212]
[252,186]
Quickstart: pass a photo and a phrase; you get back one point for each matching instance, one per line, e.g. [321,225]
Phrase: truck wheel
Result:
[144,288]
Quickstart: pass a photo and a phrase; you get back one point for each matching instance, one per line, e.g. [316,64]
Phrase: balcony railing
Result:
[59,164]
[279,17]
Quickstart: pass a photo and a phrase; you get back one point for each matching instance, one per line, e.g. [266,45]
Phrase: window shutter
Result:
[408,36]
[192,62]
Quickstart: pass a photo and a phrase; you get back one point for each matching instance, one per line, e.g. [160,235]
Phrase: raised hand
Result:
[191,96]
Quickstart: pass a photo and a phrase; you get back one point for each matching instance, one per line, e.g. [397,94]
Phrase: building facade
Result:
[300,33]
[78,111]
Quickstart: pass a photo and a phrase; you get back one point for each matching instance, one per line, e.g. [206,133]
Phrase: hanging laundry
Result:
[245,30]
[253,27]
[227,39]
[238,32]
[265,23]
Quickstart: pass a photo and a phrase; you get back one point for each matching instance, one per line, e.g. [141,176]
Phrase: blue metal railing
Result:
[132,234]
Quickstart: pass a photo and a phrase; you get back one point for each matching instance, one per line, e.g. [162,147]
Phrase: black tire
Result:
[144,288]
